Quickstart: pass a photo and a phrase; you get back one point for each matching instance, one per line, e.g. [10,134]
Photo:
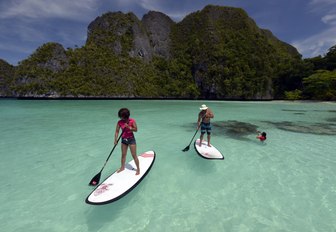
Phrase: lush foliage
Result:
[6,78]
[216,53]
[293,95]
[228,55]
[321,85]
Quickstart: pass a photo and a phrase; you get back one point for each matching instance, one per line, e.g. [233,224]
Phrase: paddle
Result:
[187,148]
[96,178]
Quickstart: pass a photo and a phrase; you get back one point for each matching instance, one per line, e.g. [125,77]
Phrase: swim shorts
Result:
[128,141]
[205,127]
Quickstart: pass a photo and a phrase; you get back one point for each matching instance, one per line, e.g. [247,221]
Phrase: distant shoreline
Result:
[162,98]
[130,98]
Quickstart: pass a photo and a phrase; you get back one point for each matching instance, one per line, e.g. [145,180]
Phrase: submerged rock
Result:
[306,127]
[234,128]
[331,119]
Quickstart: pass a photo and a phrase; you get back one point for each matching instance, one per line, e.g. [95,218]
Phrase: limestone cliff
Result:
[158,27]
[215,53]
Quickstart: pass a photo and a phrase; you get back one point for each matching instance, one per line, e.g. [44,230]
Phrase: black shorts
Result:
[128,141]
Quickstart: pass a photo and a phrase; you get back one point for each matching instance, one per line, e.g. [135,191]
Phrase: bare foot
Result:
[200,144]
[121,169]
[137,172]
[209,145]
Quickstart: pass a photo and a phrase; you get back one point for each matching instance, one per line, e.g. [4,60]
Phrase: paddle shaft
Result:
[194,135]
[196,130]
[111,151]
[187,147]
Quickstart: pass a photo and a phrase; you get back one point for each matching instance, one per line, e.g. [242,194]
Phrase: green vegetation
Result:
[321,85]
[228,55]
[6,78]
[293,95]
[216,53]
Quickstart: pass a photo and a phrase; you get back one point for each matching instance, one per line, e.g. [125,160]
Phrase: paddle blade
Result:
[186,149]
[95,180]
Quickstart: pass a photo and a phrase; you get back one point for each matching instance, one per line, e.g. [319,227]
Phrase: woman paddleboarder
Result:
[128,125]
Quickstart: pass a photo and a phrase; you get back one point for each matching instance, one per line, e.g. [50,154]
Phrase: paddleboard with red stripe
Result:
[119,184]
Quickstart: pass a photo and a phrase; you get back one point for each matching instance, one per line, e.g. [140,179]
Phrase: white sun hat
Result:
[203,107]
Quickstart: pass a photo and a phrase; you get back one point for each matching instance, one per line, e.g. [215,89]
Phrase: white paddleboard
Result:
[119,184]
[207,152]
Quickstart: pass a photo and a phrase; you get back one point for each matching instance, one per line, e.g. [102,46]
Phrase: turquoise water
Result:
[50,150]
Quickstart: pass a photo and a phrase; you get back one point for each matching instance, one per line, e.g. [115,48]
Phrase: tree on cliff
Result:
[215,53]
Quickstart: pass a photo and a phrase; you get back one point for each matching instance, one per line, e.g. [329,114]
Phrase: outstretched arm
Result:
[116,134]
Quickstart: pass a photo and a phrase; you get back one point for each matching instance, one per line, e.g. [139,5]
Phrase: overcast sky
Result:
[309,25]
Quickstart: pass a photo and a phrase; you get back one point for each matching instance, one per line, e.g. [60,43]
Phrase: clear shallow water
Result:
[50,150]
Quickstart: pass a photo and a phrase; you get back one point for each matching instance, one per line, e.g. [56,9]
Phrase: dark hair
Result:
[124,113]
[263,134]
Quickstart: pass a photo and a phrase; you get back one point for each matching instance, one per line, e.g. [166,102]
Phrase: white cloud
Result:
[15,48]
[329,19]
[322,6]
[175,13]
[36,9]
[150,5]
[72,38]
[124,3]
[322,2]
[326,8]
[317,44]
[21,31]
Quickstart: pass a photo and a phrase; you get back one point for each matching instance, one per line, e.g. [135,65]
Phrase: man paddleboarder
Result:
[204,122]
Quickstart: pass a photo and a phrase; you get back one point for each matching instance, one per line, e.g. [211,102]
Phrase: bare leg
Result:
[135,157]
[123,157]
[209,136]
[201,139]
